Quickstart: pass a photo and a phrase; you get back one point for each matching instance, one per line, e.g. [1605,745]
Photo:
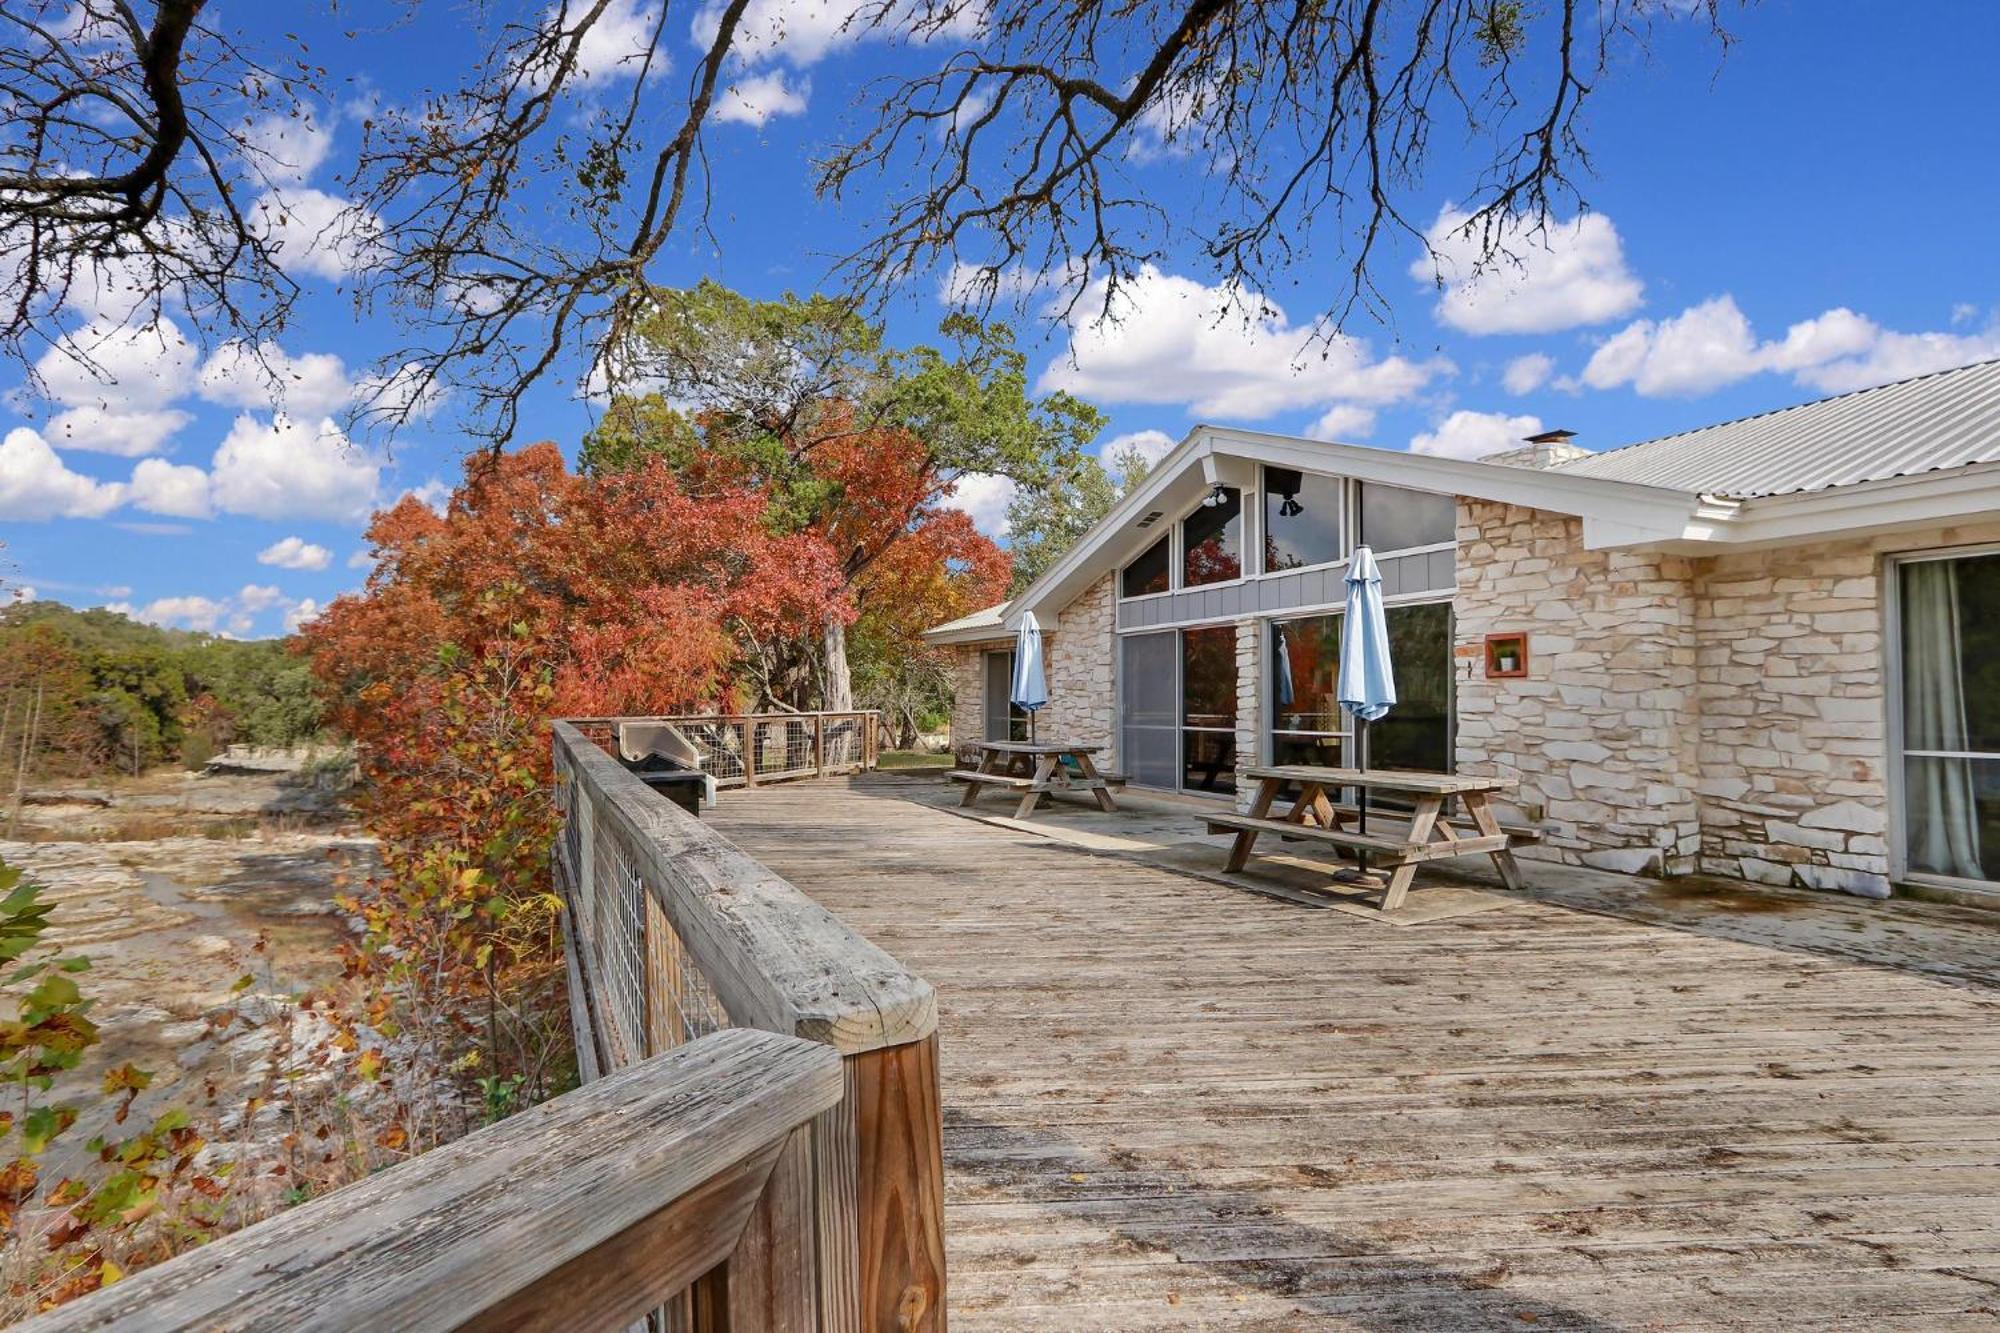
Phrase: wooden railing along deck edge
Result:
[586,1211]
[773,959]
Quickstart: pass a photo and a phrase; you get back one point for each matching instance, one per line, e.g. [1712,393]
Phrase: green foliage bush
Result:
[95,691]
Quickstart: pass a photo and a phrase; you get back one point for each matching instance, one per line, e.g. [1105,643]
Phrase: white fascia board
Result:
[1924,500]
[1654,508]
[1064,579]
[1637,513]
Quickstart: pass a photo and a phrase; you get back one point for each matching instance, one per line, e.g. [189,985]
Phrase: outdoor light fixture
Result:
[1218,495]
[1291,508]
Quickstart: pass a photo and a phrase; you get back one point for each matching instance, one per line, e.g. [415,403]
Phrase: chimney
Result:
[1552,448]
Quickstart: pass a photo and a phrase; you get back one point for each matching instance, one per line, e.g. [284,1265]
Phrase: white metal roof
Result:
[1943,420]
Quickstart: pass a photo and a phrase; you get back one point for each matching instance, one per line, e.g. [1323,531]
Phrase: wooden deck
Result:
[1169,1104]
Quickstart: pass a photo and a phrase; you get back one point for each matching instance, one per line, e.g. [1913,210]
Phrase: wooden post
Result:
[892,1093]
[749,726]
[819,742]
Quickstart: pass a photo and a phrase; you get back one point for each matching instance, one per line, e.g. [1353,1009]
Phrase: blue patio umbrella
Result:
[1285,693]
[1028,690]
[1367,684]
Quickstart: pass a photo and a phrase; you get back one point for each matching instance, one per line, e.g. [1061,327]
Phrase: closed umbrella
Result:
[1367,684]
[1028,690]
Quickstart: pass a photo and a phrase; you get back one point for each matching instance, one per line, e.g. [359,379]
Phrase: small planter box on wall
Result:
[1506,656]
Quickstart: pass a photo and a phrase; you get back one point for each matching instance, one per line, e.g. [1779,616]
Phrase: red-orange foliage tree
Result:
[537,593]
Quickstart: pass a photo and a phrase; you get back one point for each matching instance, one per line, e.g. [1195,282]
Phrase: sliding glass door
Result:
[1177,708]
[1948,670]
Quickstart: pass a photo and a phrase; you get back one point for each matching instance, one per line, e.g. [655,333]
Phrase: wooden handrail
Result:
[670,922]
[581,1213]
[735,749]
[777,959]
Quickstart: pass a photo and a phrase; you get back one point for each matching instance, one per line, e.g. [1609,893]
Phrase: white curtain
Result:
[1943,819]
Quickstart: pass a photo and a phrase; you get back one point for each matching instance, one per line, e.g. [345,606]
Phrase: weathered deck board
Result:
[1168,1105]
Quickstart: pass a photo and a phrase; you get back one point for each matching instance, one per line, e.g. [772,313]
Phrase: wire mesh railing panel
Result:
[785,747]
[616,926]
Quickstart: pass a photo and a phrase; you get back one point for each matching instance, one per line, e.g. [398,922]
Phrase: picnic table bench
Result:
[1425,833]
[1034,769]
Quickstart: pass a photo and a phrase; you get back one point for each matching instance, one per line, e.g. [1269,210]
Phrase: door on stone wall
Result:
[1149,709]
[1948,676]
[1004,722]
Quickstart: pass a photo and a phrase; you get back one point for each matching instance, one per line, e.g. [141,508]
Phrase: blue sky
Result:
[1813,213]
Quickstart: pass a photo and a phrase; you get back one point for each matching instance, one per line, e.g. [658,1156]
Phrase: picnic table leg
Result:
[1100,791]
[986,760]
[1246,839]
[1421,824]
[1044,768]
[1477,804]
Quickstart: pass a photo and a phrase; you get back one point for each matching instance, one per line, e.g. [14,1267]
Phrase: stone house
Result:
[1768,649]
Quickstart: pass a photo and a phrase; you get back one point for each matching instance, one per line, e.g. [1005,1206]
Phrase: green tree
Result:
[1045,521]
[780,392]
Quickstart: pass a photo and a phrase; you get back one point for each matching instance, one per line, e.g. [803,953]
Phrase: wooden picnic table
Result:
[1034,768]
[1427,836]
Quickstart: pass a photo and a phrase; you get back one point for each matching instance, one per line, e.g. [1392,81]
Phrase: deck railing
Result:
[757,1144]
[684,1173]
[674,933]
[744,749]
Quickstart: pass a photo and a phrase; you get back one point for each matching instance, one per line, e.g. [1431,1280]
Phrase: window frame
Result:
[1895,754]
[1349,497]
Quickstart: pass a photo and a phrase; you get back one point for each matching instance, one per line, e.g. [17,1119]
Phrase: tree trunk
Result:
[839,681]
[839,692]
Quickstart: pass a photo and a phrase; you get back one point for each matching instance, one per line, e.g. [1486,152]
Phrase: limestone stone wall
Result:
[1794,699]
[968,692]
[1250,641]
[1601,733]
[1081,656]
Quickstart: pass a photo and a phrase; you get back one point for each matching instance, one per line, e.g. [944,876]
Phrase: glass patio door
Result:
[1948,641]
[1149,710]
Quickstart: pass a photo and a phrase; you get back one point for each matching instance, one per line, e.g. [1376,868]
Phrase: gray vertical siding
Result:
[1402,575]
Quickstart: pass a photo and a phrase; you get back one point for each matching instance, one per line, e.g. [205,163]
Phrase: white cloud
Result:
[1562,277]
[269,378]
[1702,348]
[259,597]
[985,497]
[798,31]
[614,47]
[180,491]
[1475,434]
[287,149]
[107,430]
[36,485]
[1343,421]
[1221,353]
[433,493]
[1525,374]
[312,231]
[1151,445]
[757,98]
[285,469]
[402,394]
[299,613]
[1713,344]
[295,553]
[189,612]
[22,593]
[361,559]
[118,384]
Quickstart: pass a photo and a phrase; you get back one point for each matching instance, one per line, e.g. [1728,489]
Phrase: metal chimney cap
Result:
[1552,437]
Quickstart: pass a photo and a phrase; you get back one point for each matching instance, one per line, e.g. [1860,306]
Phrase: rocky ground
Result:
[177,886]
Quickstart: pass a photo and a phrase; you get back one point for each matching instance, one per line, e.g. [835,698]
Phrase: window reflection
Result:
[1212,539]
[1302,519]
[1394,518]
[1147,574]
